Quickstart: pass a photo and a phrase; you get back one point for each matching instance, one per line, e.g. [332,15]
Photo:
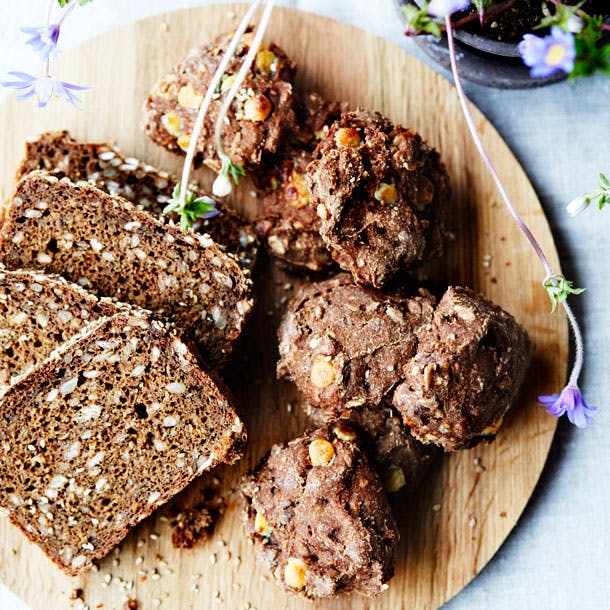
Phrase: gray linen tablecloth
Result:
[559,554]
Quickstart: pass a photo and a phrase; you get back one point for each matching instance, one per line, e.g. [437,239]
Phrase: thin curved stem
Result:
[580,350]
[239,79]
[190,153]
[579,355]
[479,144]
[66,12]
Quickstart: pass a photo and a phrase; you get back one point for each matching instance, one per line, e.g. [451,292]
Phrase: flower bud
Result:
[576,206]
[442,8]
[574,24]
[222,186]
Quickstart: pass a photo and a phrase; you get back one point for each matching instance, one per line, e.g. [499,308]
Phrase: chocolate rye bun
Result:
[382,195]
[319,517]
[287,220]
[471,360]
[260,116]
[344,346]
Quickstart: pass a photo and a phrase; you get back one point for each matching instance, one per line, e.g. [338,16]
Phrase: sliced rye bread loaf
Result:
[103,243]
[147,187]
[116,422]
[38,313]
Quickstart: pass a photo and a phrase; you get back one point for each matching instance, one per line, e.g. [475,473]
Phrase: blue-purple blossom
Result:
[442,8]
[43,87]
[570,401]
[550,54]
[43,40]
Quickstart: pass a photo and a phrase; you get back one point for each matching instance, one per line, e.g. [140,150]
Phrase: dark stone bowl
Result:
[483,60]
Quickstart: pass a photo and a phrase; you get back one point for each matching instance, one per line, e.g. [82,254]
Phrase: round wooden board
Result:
[472,499]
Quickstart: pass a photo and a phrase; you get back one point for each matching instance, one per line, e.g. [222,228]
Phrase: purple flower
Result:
[43,40]
[442,8]
[570,401]
[44,88]
[549,55]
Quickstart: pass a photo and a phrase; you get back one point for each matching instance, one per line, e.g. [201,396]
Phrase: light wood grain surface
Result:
[472,499]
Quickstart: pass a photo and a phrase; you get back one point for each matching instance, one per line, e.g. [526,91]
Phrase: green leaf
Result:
[590,56]
[604,183]
[558,289]
[481,5]
[193,208]
[560,18]
[232,169]
[418,21]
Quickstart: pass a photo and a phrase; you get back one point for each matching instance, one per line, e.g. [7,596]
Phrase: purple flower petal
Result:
[210,214]
[75,87]
[44,88]
[549,55]
[442,8]
[43,40]
[548,400]
[570,401]
[24,96]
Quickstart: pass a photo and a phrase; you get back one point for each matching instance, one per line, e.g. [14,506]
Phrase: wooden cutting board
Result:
[472,499]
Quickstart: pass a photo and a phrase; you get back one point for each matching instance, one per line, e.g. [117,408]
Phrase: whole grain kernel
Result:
[227,82]
[294,573]
[172,123]
[43,258]
[386,193]
[296,190]
[322,372]
[257,108]
[344,432]
[348,136]
[276,244]
[265,61]
[395,479]
[465,313]
[261,525]
[189,98]
[183,141]
[321,452]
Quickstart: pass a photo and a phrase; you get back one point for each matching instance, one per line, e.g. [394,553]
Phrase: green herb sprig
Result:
[193,208]
[558,289]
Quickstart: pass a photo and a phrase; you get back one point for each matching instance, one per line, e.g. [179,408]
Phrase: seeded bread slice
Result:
[145,186]
[103,243]
[111,426]
[38,313]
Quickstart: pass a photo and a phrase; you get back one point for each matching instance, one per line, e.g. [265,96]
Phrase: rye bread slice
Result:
[111,426]
[38,313]
[145,186]
[104,244]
